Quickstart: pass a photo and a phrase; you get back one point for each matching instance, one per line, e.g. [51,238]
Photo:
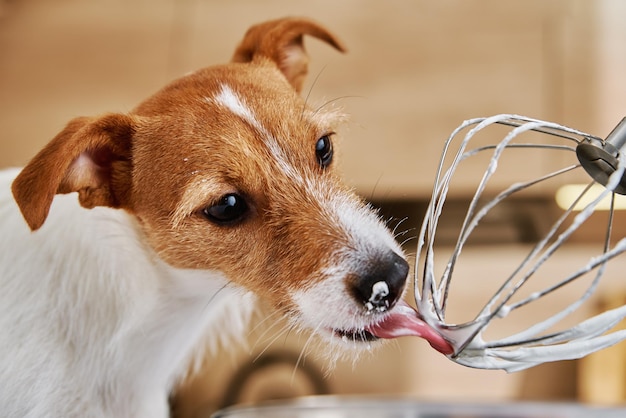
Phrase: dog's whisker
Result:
[400,222]
[308,94]
[375,187]
[292,328]
[270,335]
[214,295]
[276,321]
[388,221]
[404,232]
[267,318]
[406,241]
[271,342]
[302,354]
[331,101]
[411,255]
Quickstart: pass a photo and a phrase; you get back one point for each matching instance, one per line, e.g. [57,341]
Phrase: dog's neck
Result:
[147,339]
[189,306]
[176,322]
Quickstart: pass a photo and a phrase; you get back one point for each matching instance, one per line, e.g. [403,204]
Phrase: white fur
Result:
[229,99]
[236,104]
[325,305]
[83,305]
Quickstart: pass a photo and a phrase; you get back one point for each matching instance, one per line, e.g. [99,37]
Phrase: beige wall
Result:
[413,72]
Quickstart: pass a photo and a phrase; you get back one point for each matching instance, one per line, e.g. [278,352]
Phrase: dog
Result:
[150,235]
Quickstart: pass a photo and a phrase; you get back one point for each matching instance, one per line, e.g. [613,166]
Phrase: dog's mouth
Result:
[359,335]
[401,321]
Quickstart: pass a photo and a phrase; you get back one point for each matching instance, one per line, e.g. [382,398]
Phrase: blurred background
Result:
[414,71]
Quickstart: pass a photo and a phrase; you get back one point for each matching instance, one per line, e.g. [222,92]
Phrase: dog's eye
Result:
[230,209]
[324,151]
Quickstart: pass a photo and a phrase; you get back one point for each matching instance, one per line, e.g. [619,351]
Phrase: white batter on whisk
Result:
[529,347]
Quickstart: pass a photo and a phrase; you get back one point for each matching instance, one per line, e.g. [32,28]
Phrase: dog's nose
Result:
[382,285]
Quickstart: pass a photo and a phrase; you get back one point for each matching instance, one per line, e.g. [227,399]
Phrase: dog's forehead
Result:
[227,105]
[254,111]
[268,127]
[234,125]
[273,112]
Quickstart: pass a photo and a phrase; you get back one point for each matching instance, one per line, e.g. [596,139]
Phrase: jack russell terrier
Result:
[218,189]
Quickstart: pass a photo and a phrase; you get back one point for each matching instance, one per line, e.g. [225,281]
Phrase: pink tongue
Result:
[403,321]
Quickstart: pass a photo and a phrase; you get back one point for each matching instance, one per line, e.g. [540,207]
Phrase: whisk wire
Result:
[533,345]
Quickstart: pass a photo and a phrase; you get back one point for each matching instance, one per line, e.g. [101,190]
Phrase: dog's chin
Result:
[365,333]
[357,338]
[400,321]
[333,344]
[354,335]
[350,336]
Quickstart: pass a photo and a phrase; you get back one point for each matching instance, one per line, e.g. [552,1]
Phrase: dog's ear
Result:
[281,41]
[91,156]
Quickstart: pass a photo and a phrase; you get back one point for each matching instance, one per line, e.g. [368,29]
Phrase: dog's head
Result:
[227,169]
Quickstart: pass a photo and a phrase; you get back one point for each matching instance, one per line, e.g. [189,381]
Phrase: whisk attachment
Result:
[600,158]
[546,339]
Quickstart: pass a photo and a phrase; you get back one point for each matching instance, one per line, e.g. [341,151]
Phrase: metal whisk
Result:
[598,161]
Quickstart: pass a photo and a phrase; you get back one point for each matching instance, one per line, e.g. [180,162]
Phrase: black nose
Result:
[381,285]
